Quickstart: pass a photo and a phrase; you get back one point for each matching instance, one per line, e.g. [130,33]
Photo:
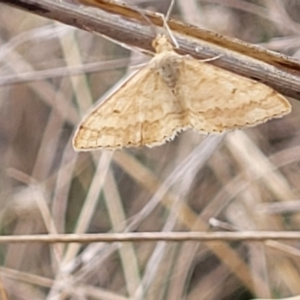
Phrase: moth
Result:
[173,93]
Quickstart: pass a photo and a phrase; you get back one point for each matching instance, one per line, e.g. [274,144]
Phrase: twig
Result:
[253,236]
[128,26]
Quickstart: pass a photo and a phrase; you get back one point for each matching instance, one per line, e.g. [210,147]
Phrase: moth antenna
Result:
[212,58]
[166,25]
[169,11]
[124,45]
[165,19]
[170,34]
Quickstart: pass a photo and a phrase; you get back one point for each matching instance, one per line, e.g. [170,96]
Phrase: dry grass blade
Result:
[136,223]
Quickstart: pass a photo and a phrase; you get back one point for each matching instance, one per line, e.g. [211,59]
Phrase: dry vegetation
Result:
[244,180]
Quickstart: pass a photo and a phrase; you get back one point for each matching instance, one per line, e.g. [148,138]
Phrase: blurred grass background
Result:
[244,180]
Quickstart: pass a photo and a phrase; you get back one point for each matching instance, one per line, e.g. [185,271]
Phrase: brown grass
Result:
[244,180]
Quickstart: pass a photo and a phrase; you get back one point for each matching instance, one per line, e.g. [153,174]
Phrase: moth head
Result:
[161,44]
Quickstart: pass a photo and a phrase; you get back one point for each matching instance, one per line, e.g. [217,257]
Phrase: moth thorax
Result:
[168,70]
